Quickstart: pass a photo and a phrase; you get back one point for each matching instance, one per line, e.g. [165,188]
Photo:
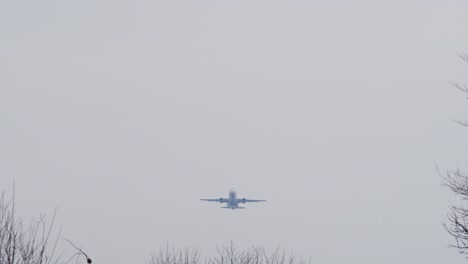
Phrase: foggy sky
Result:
[123,114]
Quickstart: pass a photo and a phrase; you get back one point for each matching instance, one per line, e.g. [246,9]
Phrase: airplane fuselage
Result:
[232,200]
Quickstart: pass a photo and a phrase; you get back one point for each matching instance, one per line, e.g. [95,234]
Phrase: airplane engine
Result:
[220,200]
[243,200]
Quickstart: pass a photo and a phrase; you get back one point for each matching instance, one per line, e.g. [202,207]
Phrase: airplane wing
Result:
[219,200]
[243,200]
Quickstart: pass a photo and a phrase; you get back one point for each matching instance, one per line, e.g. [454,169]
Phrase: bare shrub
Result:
[226,254]
[20,244]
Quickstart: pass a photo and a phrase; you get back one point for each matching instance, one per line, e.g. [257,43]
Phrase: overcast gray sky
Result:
[124,113]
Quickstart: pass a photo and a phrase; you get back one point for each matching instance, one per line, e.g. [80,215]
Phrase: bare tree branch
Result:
[24,245]
[457,181]
[80,252]
[463,56]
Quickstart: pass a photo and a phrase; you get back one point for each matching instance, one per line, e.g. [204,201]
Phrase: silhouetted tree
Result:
[457,181]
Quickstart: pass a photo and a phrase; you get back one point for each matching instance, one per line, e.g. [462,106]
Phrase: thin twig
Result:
[88,260]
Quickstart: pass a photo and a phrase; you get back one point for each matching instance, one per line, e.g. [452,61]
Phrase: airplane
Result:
[233,201]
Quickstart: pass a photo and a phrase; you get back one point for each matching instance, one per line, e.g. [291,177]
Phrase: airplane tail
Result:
[233,208]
